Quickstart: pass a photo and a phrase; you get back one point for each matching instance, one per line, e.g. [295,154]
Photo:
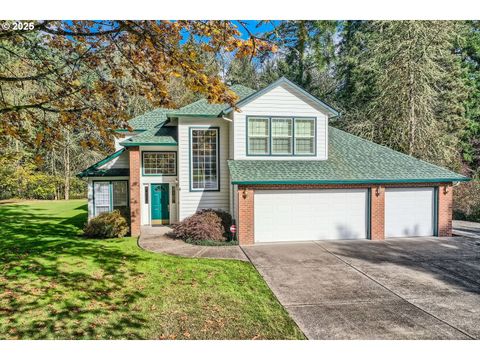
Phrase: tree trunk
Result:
[66,162]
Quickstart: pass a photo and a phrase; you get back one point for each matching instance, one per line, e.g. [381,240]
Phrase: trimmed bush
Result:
[107,226]
[207,224]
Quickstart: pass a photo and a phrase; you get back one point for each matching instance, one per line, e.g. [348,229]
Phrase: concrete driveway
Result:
[416,288]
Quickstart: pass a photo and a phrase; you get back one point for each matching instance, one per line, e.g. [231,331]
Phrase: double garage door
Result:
[334,214]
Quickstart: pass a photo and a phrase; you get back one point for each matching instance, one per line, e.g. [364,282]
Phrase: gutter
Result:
[340,182]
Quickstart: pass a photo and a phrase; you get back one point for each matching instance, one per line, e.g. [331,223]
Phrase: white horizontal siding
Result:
[191,201]
[121,162]
[282,100]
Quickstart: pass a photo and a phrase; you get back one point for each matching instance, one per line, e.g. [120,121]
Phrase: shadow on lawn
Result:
[56,284]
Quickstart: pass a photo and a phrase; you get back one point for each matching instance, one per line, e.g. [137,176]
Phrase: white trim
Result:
[217,156]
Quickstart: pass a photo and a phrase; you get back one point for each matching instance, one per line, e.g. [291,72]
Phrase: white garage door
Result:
[298,215]
[409,212]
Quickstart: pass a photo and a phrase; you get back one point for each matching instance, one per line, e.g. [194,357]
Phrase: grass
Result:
[54,284]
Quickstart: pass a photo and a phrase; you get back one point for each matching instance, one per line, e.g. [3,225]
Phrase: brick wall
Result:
[246,206]
[445,206]
[377,213]
[245,216]
[134,156]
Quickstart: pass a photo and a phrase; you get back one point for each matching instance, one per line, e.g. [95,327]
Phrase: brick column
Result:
[245,216]
[445,205]
[377,213]
[134,156]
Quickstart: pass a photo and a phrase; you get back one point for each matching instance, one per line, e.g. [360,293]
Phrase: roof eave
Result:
[101,162]
[194,115]
[341,182]
[148,144]
[330,110]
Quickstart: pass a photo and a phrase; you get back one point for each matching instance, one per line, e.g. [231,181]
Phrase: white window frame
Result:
[273,137]
[111,202]
[217,158]
[97,198]
[312,137]
[267,137]
[144,172]
[293,138]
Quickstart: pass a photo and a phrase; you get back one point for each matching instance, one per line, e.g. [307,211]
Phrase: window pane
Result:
[282,127]
[281,146]
[258,145]
[257,127]
[304,127]
[101,195]
[304,146]
[119,194]
[159,163]
[204,159]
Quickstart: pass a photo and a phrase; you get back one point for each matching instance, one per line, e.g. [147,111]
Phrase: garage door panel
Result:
[299,215]
[409,212]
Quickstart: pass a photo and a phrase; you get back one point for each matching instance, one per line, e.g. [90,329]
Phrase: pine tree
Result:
[406,87]
[242,71]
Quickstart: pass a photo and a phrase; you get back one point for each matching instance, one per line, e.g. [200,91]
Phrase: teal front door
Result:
[159,204]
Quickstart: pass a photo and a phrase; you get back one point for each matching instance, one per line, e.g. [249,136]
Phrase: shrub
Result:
[225,217]
[106,226]
[466,202]
[205,224]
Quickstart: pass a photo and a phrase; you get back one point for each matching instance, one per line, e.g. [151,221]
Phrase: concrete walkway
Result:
[466,228]
[156,239]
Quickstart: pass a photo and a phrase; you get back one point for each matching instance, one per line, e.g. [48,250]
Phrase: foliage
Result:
[404,87]
[469,46]
[242,71]
[107,225]
[76,70]
[225,217]
[306,55]
[56,284]
[205,224]
[466,202]
[211,242]
[21,177]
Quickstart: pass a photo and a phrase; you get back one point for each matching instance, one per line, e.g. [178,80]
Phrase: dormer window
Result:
[280,136]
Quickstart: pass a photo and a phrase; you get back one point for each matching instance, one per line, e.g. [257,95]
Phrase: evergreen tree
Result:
[470,52]
[406,87]
[242,71]
[306,56]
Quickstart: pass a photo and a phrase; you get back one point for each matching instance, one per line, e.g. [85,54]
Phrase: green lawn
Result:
[54,284]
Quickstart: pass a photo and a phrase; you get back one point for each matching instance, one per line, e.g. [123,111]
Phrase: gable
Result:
[294,89]
[283,99]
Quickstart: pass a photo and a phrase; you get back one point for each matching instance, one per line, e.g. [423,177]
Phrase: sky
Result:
[252,26]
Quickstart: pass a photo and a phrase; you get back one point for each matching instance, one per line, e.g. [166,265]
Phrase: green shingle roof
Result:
[351,160]
[149,120]
[204,108]
[201,107]
[104,172]
[159,135]
[95,171]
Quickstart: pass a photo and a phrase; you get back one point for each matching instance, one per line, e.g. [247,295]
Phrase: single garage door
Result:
[409,212]
[298,215]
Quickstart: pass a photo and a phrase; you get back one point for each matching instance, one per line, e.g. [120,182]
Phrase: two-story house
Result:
[276,165]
